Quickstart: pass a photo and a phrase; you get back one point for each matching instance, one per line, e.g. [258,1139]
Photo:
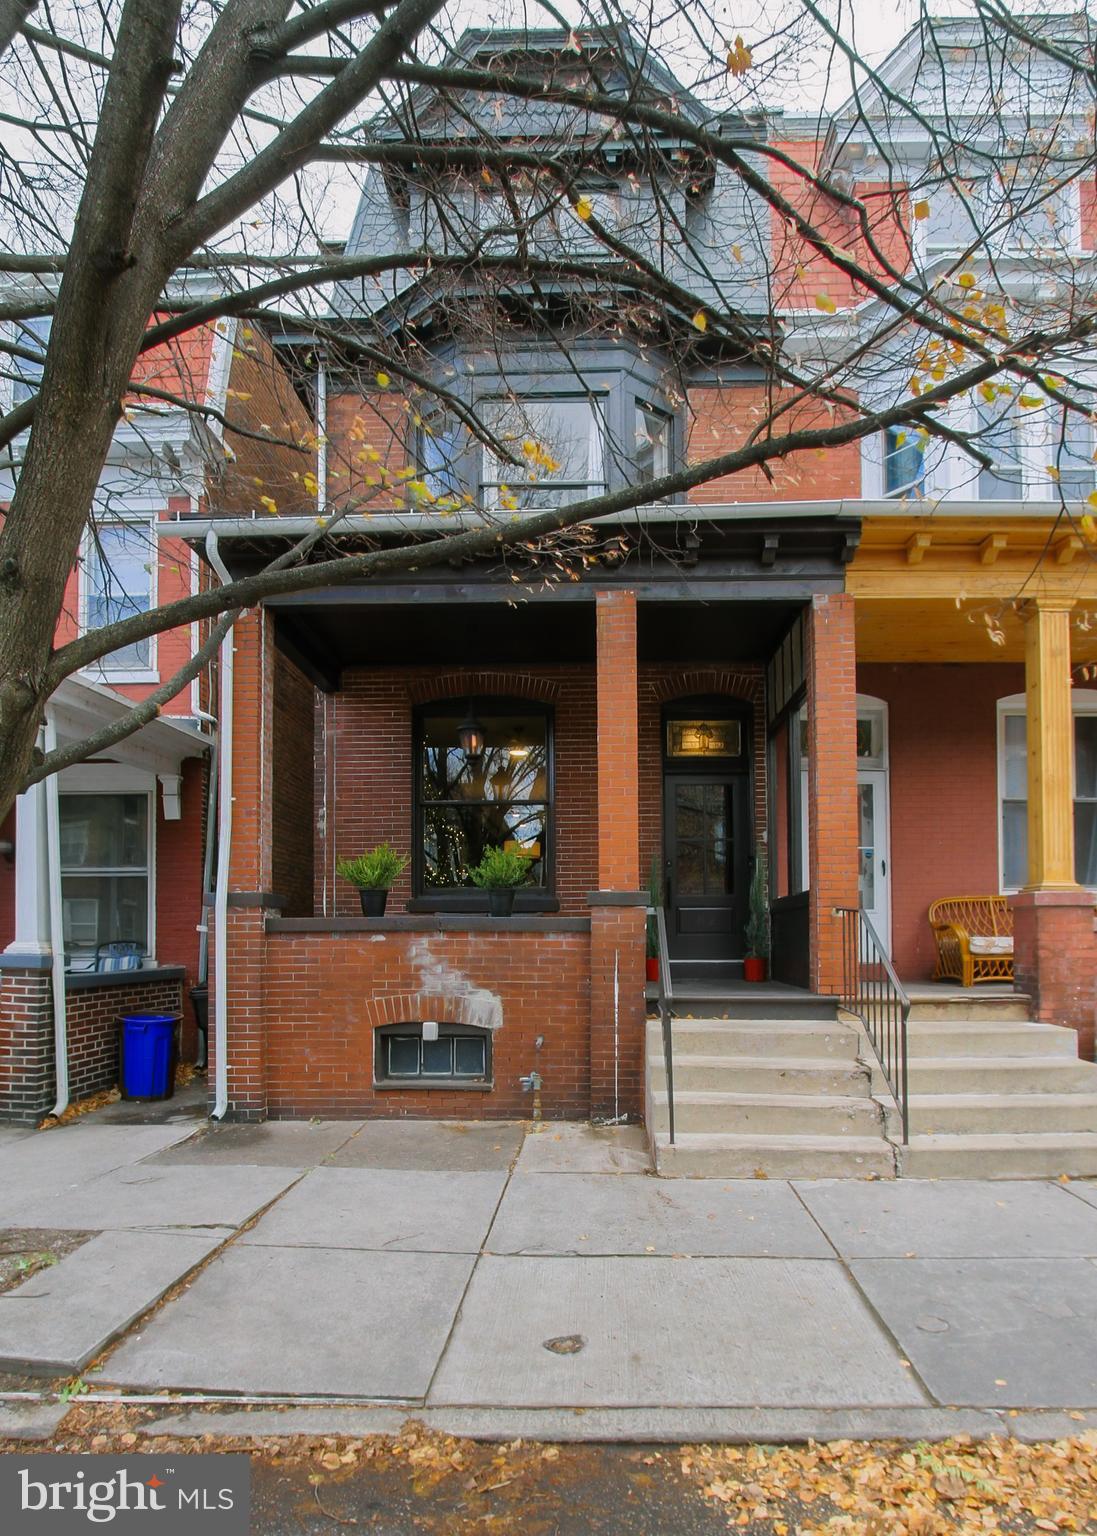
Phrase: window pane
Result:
[559,445]
[456,837]
[866,807]
[1085,843]
[652,454]
[1014,760]
[99,908]
[403,1055]
[438,1057]
[1014,843]
[998,437]
[33,335]
[513,765]
[104,832]
[118,569]
[953,214]
[1085,757]
[1072,454]
[439,446]
[904,460]
[469,1056]
[870,738]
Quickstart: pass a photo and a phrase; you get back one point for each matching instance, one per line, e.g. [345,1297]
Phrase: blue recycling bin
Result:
[148,1055]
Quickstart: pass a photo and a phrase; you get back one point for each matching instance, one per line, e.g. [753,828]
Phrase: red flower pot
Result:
[754,968]
[651,965]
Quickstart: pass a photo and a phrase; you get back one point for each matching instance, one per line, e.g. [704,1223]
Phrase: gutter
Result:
[57,931]
[295,527]
[224,848]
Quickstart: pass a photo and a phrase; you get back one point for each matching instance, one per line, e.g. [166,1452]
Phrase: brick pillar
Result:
[27,1078]
[1055,959]
[831,665]
[249,868]
[617,921]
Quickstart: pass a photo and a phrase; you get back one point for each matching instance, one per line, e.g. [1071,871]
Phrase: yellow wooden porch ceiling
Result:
[923,585]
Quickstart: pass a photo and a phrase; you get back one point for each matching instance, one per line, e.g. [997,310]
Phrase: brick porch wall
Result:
[326,993]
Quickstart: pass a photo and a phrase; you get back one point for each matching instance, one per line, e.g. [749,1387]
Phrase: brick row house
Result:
[102,880]
[821,674]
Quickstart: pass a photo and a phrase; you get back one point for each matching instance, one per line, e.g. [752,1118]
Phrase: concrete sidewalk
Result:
[498,1279]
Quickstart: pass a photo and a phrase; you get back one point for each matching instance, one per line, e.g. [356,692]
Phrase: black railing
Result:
[872,991]
[665,997]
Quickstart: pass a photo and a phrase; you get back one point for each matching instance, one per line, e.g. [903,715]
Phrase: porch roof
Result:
[81,706]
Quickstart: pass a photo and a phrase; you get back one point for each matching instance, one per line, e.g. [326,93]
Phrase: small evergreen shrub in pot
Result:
[374,873]
[500,872]
[756,929]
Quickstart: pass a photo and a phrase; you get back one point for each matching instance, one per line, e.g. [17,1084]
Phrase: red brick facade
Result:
[1055,959]
[831,665]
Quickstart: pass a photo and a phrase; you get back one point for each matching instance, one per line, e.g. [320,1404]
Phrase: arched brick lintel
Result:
[477,1008]
[463,685]
[738,684]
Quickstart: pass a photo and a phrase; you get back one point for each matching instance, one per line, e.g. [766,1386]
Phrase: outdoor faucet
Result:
[531,1083]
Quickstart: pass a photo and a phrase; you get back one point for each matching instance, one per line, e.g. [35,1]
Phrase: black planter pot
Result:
[501,901]
[373,902]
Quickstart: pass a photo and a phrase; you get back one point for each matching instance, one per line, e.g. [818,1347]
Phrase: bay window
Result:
[559,445]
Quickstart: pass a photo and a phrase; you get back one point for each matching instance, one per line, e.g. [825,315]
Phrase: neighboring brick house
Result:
[130,826]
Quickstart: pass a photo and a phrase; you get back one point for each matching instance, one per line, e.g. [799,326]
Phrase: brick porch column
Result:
[617,921]
[1055,932]
[249,869]
[831,666]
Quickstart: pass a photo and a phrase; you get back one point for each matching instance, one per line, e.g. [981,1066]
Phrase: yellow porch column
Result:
[1050,746]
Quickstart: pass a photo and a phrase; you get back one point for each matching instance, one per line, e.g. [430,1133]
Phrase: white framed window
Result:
[107,826]
[998,425]
[1013,790]
[904,461]
[559,442]
[651,453]
[1015,211]
[118,579]
[27,374]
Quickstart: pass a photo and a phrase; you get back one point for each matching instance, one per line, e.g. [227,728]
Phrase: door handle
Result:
[883,866]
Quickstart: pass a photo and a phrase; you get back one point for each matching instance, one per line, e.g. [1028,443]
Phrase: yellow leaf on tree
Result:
[268,502]
[1031,402]
[966,279]
[739,58]
[383,380]
[1088,527]
[584,208]
[824,302]
[921,209]
[1092,498]
[1053,472]
[987,390]
[700,321]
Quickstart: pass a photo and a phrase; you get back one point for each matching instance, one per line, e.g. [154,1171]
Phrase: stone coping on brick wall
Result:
[84,981]
[441,922]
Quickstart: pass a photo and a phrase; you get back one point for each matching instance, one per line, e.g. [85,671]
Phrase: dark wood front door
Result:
[707,867]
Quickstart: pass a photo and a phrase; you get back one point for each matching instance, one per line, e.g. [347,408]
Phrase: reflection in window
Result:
[904,461]
[439,448]
[702,852]
[33,335]
[467,803]
[118,570]
[955,213]
[999,437]
[1072,454]
[104,871]
[559,448]
[652,451]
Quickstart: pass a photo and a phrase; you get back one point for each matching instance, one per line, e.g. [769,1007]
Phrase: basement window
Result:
[447,1053]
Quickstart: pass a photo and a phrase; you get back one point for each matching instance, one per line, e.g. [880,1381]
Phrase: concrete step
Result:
[778,1037]
[1001,1156]
[769,1114]
[705,1001]
[981,1037]
[1006,1113]
[728,1156]
[760,1074]
[998,1074]
[976,1004]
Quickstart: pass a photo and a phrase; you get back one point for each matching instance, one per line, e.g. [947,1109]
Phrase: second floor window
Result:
[34,336]
[559,444]
[118,582]
[999,437]
[904,461]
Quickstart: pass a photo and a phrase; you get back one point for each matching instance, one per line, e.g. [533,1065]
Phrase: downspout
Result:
[224,847]
[321,436]
[57,933]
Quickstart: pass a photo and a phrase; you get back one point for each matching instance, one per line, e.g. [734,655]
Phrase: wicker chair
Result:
[974,939]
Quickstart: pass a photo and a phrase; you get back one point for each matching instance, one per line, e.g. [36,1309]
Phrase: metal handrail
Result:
[874,994]
[665,998]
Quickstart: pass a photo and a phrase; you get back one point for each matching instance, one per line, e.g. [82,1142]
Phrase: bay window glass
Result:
[559,445]
[469,802]
[118,583]
[652,450]
[104,871]
[904,461]
[1013,798]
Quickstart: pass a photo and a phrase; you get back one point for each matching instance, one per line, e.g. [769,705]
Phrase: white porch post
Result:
[32,901]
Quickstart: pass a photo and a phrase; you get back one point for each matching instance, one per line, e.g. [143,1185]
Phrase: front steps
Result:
[780,1098]
[992,1095]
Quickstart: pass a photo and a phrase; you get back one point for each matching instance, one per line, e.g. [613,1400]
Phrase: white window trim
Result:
[1083,701]
[1001,246]
[102,670]
[121,779]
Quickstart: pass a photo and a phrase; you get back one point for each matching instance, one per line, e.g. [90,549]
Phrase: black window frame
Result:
[469,899]
[416,1082]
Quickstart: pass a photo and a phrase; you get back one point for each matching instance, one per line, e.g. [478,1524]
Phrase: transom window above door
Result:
[559,445]
[483,780]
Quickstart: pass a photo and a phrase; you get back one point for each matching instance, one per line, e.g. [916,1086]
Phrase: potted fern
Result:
[374,873]
[756,929]
[500,872]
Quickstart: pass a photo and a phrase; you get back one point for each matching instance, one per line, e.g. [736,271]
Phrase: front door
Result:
[707,868]
[872,851]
